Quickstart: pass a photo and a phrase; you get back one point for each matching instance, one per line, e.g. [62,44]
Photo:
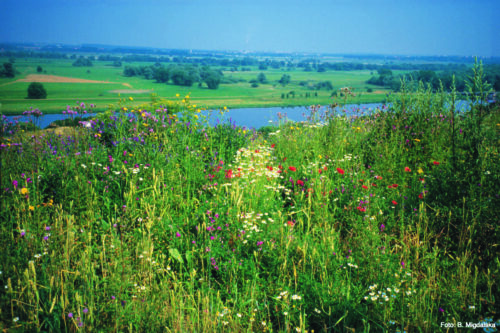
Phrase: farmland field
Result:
[112,83]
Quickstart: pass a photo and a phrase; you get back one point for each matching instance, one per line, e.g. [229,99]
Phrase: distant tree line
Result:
[179,74]
[434,79]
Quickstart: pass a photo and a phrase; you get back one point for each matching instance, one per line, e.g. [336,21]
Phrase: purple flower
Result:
[113,298]
[70,315]
[441,310]
[23,233]
[177,234]
[47,228]
[15,183]
[46,238]
[382,227]
[85,310]
[403,264]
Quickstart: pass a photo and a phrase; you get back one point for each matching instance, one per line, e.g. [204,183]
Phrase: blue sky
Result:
[406,27]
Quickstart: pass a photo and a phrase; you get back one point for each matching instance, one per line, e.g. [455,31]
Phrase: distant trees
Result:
[39,69]
[82,62]
[285,79]
[211,78]
[262,78]
[181,74]
[36,91]
[7,70]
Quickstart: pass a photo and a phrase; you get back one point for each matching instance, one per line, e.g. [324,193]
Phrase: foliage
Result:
[36,90]
[7,70]
[82,62]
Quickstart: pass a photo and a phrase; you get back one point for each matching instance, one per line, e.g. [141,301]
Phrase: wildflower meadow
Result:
[149,219]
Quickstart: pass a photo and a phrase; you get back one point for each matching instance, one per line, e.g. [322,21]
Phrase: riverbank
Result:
[52,106]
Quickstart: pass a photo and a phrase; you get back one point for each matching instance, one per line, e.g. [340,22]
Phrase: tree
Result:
[39,69]
[36,91]
[82,62]
[161,74]
[129,71]
[285,79]
[212,79]
[262,78]
[8,70]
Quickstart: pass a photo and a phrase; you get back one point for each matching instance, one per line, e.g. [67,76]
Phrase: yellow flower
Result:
[320,157]
[417,140]
[144,124]
[131,98]
[196,116]
[225,108]
[125,109]
[194,105]
[420,171]
[24,191]
[31,207]
[177,95]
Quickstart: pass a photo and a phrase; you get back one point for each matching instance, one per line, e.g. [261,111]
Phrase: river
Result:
[244,117]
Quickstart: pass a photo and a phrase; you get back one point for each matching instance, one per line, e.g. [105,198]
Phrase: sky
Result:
[397,27]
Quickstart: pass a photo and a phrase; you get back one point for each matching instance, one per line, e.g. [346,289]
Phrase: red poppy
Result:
[300,182]
[394,202]
[270,168]
[436,163]
[390,186]
[325,168]
[229,173]
[407,169]
[339,170]
[257,151]
[420,196]
[292,168]
[320,171]
[395,185]
[374,185]
[361,209]
[365,187]
[273,145]
[290,223]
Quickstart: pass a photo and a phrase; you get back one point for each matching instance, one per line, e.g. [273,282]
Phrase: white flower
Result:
[84,166]
[16,319]
[239,315]
[296,297]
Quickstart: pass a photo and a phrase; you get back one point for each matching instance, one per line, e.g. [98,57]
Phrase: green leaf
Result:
[176,255]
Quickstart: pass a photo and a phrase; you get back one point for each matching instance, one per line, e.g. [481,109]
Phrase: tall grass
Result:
[152,220]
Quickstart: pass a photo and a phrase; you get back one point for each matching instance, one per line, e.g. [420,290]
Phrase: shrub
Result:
[36,91]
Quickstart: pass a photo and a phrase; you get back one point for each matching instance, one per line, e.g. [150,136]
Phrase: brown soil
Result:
[130,91]
[56,79]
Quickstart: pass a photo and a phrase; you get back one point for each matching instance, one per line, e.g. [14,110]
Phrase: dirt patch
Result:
[379,92]
[57,79]
[131,91]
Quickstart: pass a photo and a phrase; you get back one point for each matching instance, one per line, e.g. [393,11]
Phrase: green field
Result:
[13,93]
